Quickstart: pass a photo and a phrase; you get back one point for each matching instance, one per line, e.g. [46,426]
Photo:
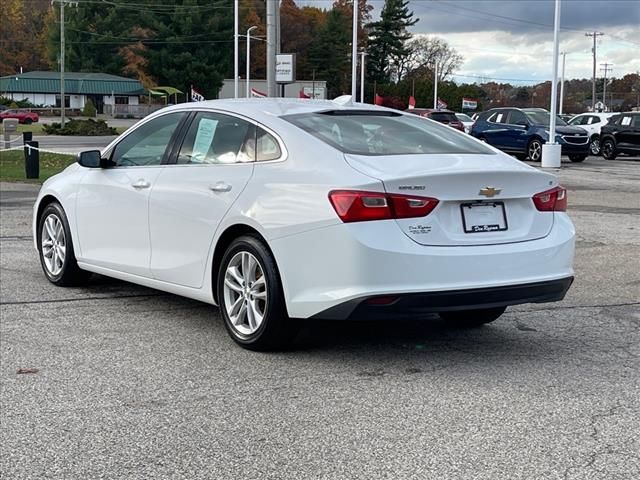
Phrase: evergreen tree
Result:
[387,39]
[329,55]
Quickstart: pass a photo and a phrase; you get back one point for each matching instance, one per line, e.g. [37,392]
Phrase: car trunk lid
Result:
[483,199]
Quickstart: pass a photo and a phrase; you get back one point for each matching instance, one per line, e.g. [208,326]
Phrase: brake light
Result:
[554,200]
[360,206]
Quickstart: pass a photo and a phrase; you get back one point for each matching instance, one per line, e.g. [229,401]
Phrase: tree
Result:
[424,52]
[330,54]
[387,40]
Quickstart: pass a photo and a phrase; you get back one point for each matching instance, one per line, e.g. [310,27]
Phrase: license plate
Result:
[483,217]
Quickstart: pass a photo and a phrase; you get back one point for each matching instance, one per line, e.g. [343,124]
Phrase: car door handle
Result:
[141,183]
[220,187]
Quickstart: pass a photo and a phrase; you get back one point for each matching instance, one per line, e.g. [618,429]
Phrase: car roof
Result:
[274,106]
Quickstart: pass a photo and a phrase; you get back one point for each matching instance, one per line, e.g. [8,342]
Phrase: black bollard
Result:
[27,137]
[32,160]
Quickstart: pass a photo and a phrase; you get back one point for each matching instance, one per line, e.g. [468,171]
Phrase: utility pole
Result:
[595,36]
[435,85]
[606,69]
[62,51]
[272,33]
[362,68]
[354,52]
[564,58]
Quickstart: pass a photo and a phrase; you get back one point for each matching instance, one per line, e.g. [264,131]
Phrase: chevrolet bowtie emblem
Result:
[489,191]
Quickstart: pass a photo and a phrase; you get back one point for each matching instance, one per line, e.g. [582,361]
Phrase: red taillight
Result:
[359,206]
[554,200]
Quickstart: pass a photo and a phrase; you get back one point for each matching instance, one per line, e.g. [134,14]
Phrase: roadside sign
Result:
[286,68]
[316,93]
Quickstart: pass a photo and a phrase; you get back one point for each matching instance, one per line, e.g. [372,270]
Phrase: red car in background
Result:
[443,116]
[23,117]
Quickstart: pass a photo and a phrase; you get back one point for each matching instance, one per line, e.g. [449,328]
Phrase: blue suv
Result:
[522,131]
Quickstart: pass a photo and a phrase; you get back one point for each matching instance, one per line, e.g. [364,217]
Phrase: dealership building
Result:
[43,88]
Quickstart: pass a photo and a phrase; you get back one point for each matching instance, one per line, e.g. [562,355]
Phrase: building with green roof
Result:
[43,88]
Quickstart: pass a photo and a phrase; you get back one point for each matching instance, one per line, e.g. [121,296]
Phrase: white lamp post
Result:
[249,57]
[551,151]
[354,52]
[235,48]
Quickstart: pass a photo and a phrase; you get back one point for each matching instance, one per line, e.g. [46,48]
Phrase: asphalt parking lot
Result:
[133,383]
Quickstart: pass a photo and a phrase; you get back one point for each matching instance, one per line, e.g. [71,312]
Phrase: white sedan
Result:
[279,210]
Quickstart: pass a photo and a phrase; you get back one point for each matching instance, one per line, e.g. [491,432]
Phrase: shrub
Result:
[89,109]
[80,128]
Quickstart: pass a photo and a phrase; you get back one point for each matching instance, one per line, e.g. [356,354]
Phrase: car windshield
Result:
[369,132]
[543,118]
[463,117]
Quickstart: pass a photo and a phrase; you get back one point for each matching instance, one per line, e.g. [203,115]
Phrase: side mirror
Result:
[90,159]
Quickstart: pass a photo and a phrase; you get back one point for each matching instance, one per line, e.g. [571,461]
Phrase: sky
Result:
[513,39]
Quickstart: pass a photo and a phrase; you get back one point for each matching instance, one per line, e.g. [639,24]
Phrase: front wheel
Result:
[472,318]
[577,158]
[251,298]
[609,149]
[55,247]
[594,145]
[534,150]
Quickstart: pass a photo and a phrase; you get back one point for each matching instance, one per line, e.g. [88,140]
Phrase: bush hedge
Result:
[80,128]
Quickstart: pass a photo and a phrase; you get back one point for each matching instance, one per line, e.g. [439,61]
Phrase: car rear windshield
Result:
[369,132]
[443,117]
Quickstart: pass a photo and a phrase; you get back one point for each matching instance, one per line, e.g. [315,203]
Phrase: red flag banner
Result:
[301,94]
[379,100]
[412,102]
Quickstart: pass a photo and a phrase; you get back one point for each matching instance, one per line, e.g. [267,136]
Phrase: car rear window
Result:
[443,117]
[370,132]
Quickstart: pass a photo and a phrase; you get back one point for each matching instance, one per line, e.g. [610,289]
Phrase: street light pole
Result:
[249,56]
[564,58]
[435,86]
[235,48]
[354,51]
[551,151]
[362,67]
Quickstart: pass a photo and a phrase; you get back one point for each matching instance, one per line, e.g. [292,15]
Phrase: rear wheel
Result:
[472,318]
[55,246]
[28,121]
[577,158]
[609,149]
[534,150]
[251,298]
[594,145]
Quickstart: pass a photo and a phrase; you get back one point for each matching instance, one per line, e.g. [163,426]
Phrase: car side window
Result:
[498,117]
[517,118]
[636,120]
[267,147]
[576,121]
[215,138]
[148,144]
[592,120]
[626,121]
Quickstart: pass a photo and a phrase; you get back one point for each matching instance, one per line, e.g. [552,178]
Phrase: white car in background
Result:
[592,123]
[279,210]
[466,120]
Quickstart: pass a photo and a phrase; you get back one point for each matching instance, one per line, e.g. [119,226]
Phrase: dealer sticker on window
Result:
[483,217]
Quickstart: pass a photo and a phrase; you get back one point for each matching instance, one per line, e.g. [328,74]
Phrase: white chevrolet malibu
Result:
[279,210]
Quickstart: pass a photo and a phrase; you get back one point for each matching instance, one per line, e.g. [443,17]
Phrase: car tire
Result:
[608,147]
[472,318]
[27,121]
[252,302]
[534,150]
[594,145]
[577,158]
[55,247]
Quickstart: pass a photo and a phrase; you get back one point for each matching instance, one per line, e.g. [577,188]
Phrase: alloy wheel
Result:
[245,293]
[54,244]
[594,146]
[535,151]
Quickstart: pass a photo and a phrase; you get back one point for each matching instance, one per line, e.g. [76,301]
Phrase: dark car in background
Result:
[443,116]
[523,131]
[621,135]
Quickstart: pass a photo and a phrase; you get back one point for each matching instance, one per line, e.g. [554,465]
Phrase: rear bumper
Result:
[416,304]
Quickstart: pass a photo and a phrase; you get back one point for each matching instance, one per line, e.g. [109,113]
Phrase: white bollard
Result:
[551,153]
